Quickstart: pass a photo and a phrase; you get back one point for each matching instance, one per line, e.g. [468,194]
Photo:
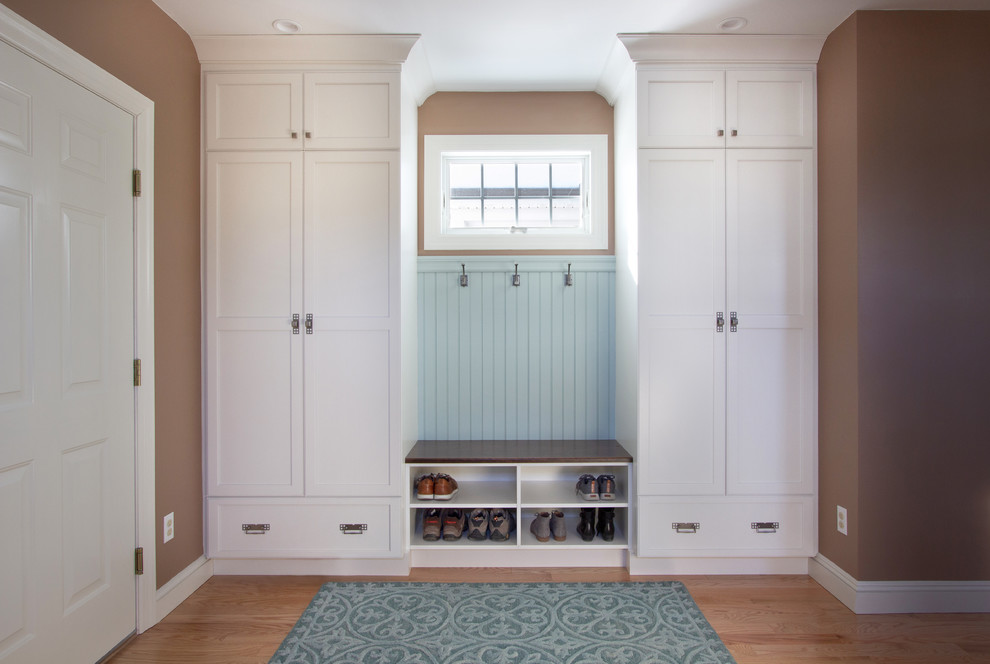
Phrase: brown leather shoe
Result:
[444,487]
[425,487]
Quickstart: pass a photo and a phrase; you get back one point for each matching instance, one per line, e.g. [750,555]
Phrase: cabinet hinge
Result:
[136,183]
[137,373]
[139,561]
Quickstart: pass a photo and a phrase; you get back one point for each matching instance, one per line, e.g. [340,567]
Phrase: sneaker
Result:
[541,526]
[444,487]
[557,528]
[431,525]
[606,486]
[478,525]
[424,487]
[587,487]
[453,524]
[501,523]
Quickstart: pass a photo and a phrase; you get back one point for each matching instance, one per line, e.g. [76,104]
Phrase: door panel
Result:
[347,111]
[681,109]
[770,109]
[254,111]
[66,395]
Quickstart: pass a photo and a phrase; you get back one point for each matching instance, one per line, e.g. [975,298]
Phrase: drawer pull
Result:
[685,527]
[255,528]
[353,528]
[765,526]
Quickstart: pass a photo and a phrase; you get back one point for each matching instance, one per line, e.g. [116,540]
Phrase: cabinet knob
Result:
[309,134]
[735,133]
[295,134]
[720,132]
[733,321]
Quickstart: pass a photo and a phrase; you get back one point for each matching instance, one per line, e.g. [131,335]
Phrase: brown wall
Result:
[923,242]
[838,352]
[517,113]
[139,44]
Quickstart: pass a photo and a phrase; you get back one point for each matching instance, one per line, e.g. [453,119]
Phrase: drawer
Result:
[726,527]
[251,528]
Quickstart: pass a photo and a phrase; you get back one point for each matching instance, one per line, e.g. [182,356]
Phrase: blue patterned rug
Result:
[502,623]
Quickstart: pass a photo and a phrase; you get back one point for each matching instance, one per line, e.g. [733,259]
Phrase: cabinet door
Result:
[682,288]
[682,109]
[348,111]
[771,267]
[254,285]
[254,111]
[770,109]
[351,261]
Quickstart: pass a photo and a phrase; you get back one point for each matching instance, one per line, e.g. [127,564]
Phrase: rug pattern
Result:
[503,623]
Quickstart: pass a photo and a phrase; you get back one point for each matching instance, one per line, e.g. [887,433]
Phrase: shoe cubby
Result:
[524,477]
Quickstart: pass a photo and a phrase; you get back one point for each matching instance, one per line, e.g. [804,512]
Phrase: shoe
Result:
[606,523]
[541,527]
[424,487]
[501,523]
[478,525]
[586,528]
[606,486]
[444,487]
[453,524]
[557,528]
[431,525]
[587,487]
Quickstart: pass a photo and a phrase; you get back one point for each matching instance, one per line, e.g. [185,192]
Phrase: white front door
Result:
[67,494]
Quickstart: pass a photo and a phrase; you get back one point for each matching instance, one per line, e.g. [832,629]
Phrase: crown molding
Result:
[322,49]
[681,48]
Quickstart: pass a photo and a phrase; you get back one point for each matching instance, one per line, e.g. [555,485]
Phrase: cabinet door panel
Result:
[682,232]
[348,413]
[254,229]
[684,409]
[771,268]
[347,111]
[253,111]
[681,109]
[770,109]
[255,415]
[351,218]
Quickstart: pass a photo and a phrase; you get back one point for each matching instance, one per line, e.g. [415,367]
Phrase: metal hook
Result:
[515,277]
[568,278]
[464,279]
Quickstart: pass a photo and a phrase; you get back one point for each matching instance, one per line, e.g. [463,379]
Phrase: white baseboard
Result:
[867,597]
[668,566]
[184,584]
[318,567]
[554,557]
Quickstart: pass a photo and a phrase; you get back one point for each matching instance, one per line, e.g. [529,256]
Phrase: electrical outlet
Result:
[841,520]
[168,527]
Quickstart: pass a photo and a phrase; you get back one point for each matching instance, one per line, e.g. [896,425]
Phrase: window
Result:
[515,192]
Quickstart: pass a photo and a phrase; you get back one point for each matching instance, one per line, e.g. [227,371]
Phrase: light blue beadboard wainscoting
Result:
[528,362]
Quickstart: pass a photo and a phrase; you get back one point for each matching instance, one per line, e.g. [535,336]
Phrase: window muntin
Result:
[515,192]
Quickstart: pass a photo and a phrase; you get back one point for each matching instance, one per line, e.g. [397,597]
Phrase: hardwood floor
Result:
[762,620]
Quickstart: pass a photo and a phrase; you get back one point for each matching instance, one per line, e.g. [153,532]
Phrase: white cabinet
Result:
[291,111]
[727,312]
[714,108]
[302,314]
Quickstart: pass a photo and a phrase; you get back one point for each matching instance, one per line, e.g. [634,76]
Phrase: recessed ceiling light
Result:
[733,24]
[286,26]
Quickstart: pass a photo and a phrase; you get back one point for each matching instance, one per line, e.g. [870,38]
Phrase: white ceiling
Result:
[524,44]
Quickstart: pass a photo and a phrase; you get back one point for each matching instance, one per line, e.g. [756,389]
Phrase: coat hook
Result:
[464,280]
[515,277]
[568,278]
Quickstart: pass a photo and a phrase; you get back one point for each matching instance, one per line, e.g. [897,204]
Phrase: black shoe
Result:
[606,523]
[586,529]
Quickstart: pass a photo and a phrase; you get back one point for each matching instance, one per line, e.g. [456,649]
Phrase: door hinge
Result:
[137,183]
[137,373]
[139,561]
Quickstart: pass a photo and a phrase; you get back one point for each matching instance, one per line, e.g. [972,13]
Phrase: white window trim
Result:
[594,237]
